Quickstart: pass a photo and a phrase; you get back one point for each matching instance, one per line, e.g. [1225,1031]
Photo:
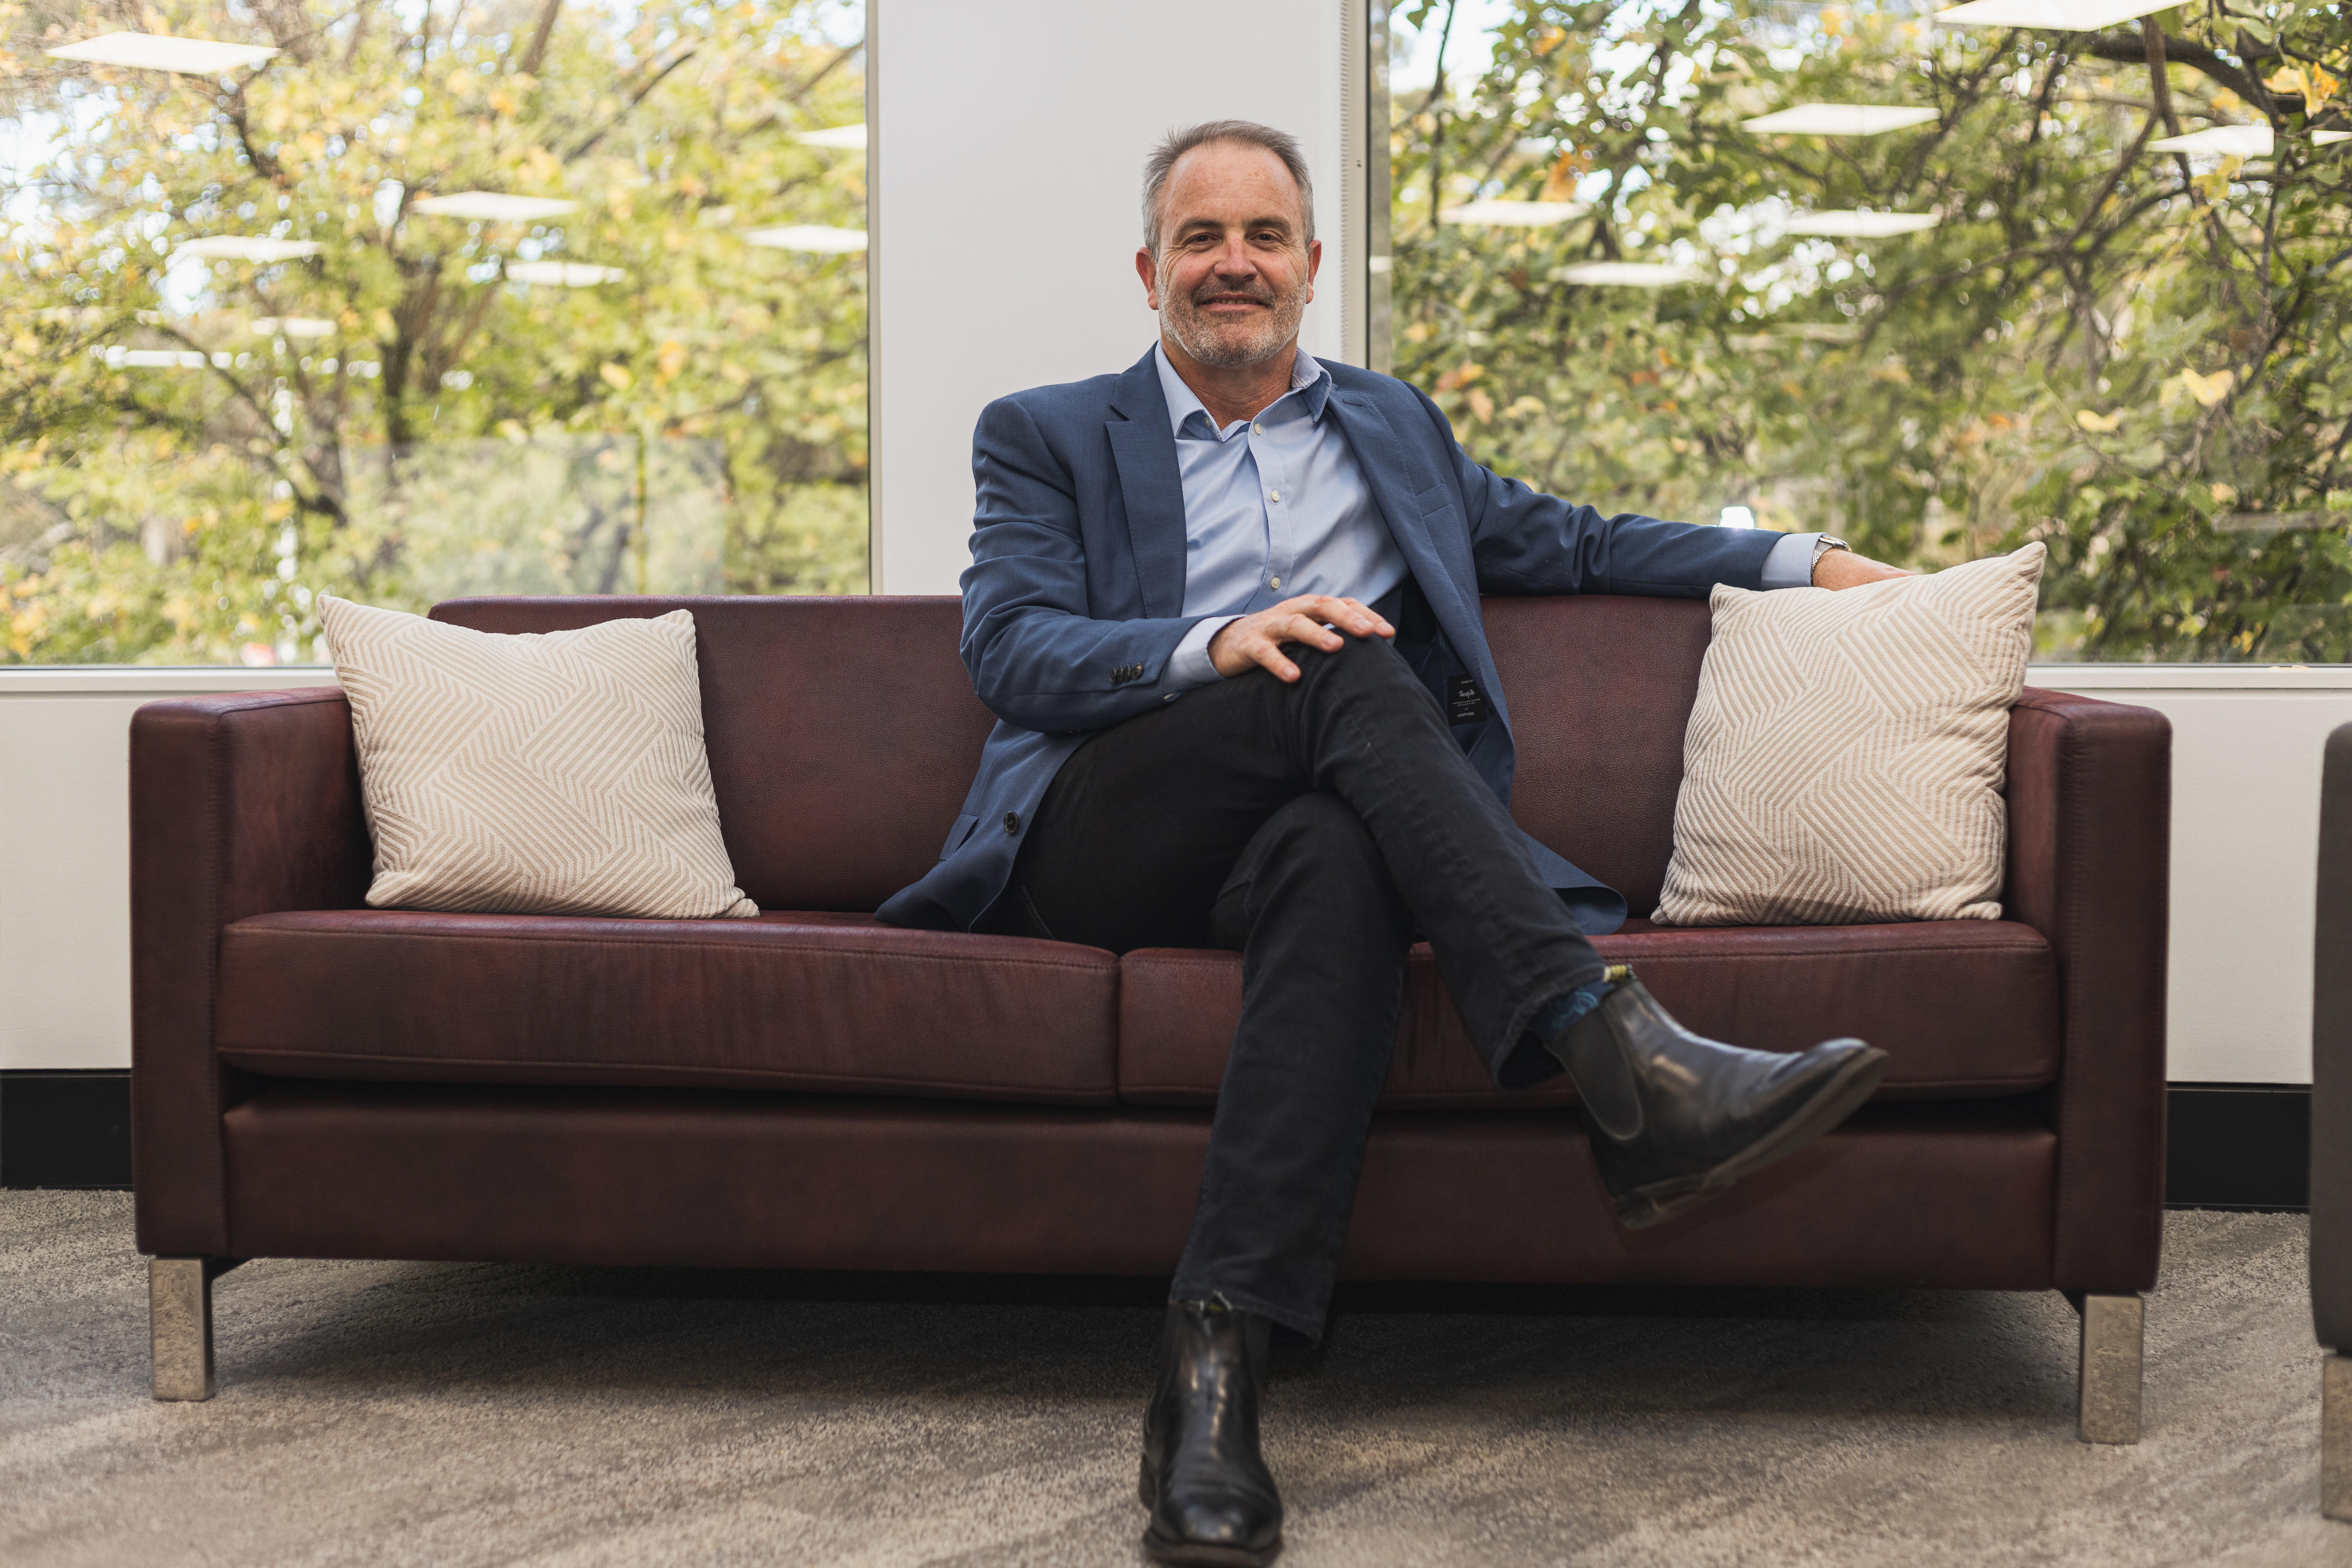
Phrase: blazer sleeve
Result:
[1523,542]
[1036,657]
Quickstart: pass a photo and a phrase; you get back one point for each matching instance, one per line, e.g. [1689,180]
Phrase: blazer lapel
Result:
[1381,458]
[1451,589]
[1153,486]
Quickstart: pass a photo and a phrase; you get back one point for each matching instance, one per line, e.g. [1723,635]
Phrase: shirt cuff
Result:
[1189,665]
[1791,565]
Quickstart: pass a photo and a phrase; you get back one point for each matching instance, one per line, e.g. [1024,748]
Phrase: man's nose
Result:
[1234,259]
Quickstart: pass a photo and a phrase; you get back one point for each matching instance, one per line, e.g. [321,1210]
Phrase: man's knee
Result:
[1358,663]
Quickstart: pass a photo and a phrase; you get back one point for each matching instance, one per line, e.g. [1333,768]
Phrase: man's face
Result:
[1234,272]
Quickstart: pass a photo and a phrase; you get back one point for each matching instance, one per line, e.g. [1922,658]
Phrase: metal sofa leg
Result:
[2336,1437]
[180,1323]
[2114,1329]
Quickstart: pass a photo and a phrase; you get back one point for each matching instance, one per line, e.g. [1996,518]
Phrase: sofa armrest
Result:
[2090,850]
[240,805]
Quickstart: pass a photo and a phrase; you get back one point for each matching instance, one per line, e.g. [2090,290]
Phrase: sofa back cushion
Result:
[1600,691]
[843,733]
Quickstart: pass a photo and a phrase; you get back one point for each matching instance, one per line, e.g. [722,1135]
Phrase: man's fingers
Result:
[1269,654]
[1314,634]
[1347,615]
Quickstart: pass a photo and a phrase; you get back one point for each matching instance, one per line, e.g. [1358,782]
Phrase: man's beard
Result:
[1229,345]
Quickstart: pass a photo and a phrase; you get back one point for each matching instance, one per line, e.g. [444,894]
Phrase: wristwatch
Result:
[1823,547]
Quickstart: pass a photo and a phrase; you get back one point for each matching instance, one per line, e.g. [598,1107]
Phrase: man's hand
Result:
[1257,639]
[1845,569]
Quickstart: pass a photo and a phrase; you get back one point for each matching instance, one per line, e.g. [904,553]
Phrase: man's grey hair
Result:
[1178,143]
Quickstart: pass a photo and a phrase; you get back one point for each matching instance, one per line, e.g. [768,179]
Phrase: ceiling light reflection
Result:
[1514,214]
[247,247]
[808,236]
[1839,120]
[2056,15]
[845,138]
[563,274]
[159,52]
[1859,225]
[493,206]
[1626,274]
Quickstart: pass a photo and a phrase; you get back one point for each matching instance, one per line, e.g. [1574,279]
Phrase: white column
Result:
[1007,167]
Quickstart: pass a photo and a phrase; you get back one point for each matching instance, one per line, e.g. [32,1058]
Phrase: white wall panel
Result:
[2246,748]
[1008,157]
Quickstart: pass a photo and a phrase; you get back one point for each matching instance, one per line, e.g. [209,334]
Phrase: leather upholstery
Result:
[1912,1196]
[2331,1055]
[802,1001]
[1963,1007]
[239,805]
[2090,836]
[841,733]
[1601,692]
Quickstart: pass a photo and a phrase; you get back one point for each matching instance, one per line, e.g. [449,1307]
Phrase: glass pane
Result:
[1941,289]
[434,299]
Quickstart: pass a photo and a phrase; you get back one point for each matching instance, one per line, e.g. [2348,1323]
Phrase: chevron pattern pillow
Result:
[558,773]
[1846,755]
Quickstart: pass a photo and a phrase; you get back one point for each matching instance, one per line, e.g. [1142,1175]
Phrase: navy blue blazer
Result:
[1078,573]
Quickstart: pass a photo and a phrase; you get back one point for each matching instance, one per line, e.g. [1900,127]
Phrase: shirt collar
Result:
[1307,375]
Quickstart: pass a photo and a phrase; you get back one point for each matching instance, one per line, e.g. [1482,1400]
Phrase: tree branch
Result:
[635,98]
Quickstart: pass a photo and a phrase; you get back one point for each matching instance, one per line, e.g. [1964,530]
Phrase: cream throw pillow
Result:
[1845,757]
[558,773]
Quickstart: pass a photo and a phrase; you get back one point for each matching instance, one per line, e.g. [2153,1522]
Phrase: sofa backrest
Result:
[842,731]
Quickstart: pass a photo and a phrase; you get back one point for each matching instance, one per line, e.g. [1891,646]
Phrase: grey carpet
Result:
[442,1413]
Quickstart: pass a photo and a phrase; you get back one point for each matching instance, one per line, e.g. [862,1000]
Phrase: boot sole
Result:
[1194,1554]
[1837,1100]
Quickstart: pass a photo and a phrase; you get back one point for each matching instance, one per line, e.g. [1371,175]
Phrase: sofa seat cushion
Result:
[805,1002]
[1963,1008]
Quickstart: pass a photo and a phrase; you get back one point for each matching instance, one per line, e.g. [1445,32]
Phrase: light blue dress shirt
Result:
[1276,507]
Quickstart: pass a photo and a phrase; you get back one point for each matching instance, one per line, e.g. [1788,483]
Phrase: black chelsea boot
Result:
[1676,1118]
[1212,1497]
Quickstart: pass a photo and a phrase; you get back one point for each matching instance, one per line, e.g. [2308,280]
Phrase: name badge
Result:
[1464,704]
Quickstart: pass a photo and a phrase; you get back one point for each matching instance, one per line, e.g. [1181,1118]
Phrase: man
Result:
[1225,605]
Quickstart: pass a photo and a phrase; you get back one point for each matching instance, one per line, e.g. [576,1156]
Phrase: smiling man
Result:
[1225,607]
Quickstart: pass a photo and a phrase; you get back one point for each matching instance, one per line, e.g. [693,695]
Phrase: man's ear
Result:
[1314,263]
[1147,270]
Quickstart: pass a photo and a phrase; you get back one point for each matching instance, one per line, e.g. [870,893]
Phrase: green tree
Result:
[2143,359]
[400,409]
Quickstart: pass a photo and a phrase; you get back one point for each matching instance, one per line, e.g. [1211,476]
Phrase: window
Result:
[408,298]
[1939,288]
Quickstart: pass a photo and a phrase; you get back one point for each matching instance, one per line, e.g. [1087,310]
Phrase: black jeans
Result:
[1313,826]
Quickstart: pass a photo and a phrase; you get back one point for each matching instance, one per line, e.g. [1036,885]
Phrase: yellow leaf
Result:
[671,359]
[459,81]
[617,377]
[2098,423]
[2209,390]
[2224,495]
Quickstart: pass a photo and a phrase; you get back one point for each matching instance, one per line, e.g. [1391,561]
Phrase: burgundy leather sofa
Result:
[315,1078]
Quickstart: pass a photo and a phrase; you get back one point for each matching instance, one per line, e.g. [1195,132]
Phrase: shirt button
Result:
[1273,495]
[1011,821]
[1274,582]
[1257,429]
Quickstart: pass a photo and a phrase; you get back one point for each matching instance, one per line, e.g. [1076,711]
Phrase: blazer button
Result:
[1011,821]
